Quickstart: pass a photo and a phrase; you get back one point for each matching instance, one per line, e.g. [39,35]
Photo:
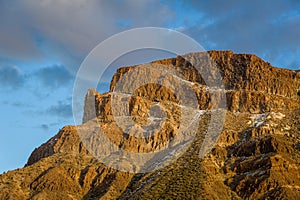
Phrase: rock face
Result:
[256,156]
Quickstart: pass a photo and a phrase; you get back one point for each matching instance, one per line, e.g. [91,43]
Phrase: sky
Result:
[43,43]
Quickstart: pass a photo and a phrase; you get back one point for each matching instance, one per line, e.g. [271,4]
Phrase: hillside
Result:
[256,155]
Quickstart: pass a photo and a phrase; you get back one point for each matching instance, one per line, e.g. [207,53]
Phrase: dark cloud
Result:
[49,126]
[45,127]
[61,109]
[68,30]
[54,77]
[267,28]
[10,77]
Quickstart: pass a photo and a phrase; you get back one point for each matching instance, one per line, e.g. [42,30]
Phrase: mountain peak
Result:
[256,155]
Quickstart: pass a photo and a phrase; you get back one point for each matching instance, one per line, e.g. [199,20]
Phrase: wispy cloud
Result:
[54,76]
[61,109]
[44,127]
[10,77]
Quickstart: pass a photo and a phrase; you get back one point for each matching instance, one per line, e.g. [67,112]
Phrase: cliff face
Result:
[251,84]
[239,72]
[256,156]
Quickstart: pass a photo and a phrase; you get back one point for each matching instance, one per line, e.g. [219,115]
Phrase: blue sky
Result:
[42,44]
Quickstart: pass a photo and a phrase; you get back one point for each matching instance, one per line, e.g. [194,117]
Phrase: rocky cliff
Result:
[256,156]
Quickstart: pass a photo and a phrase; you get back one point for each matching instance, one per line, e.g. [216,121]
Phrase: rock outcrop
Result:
[256,155]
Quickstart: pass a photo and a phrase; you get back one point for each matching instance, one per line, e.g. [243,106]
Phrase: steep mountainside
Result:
[256,156]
